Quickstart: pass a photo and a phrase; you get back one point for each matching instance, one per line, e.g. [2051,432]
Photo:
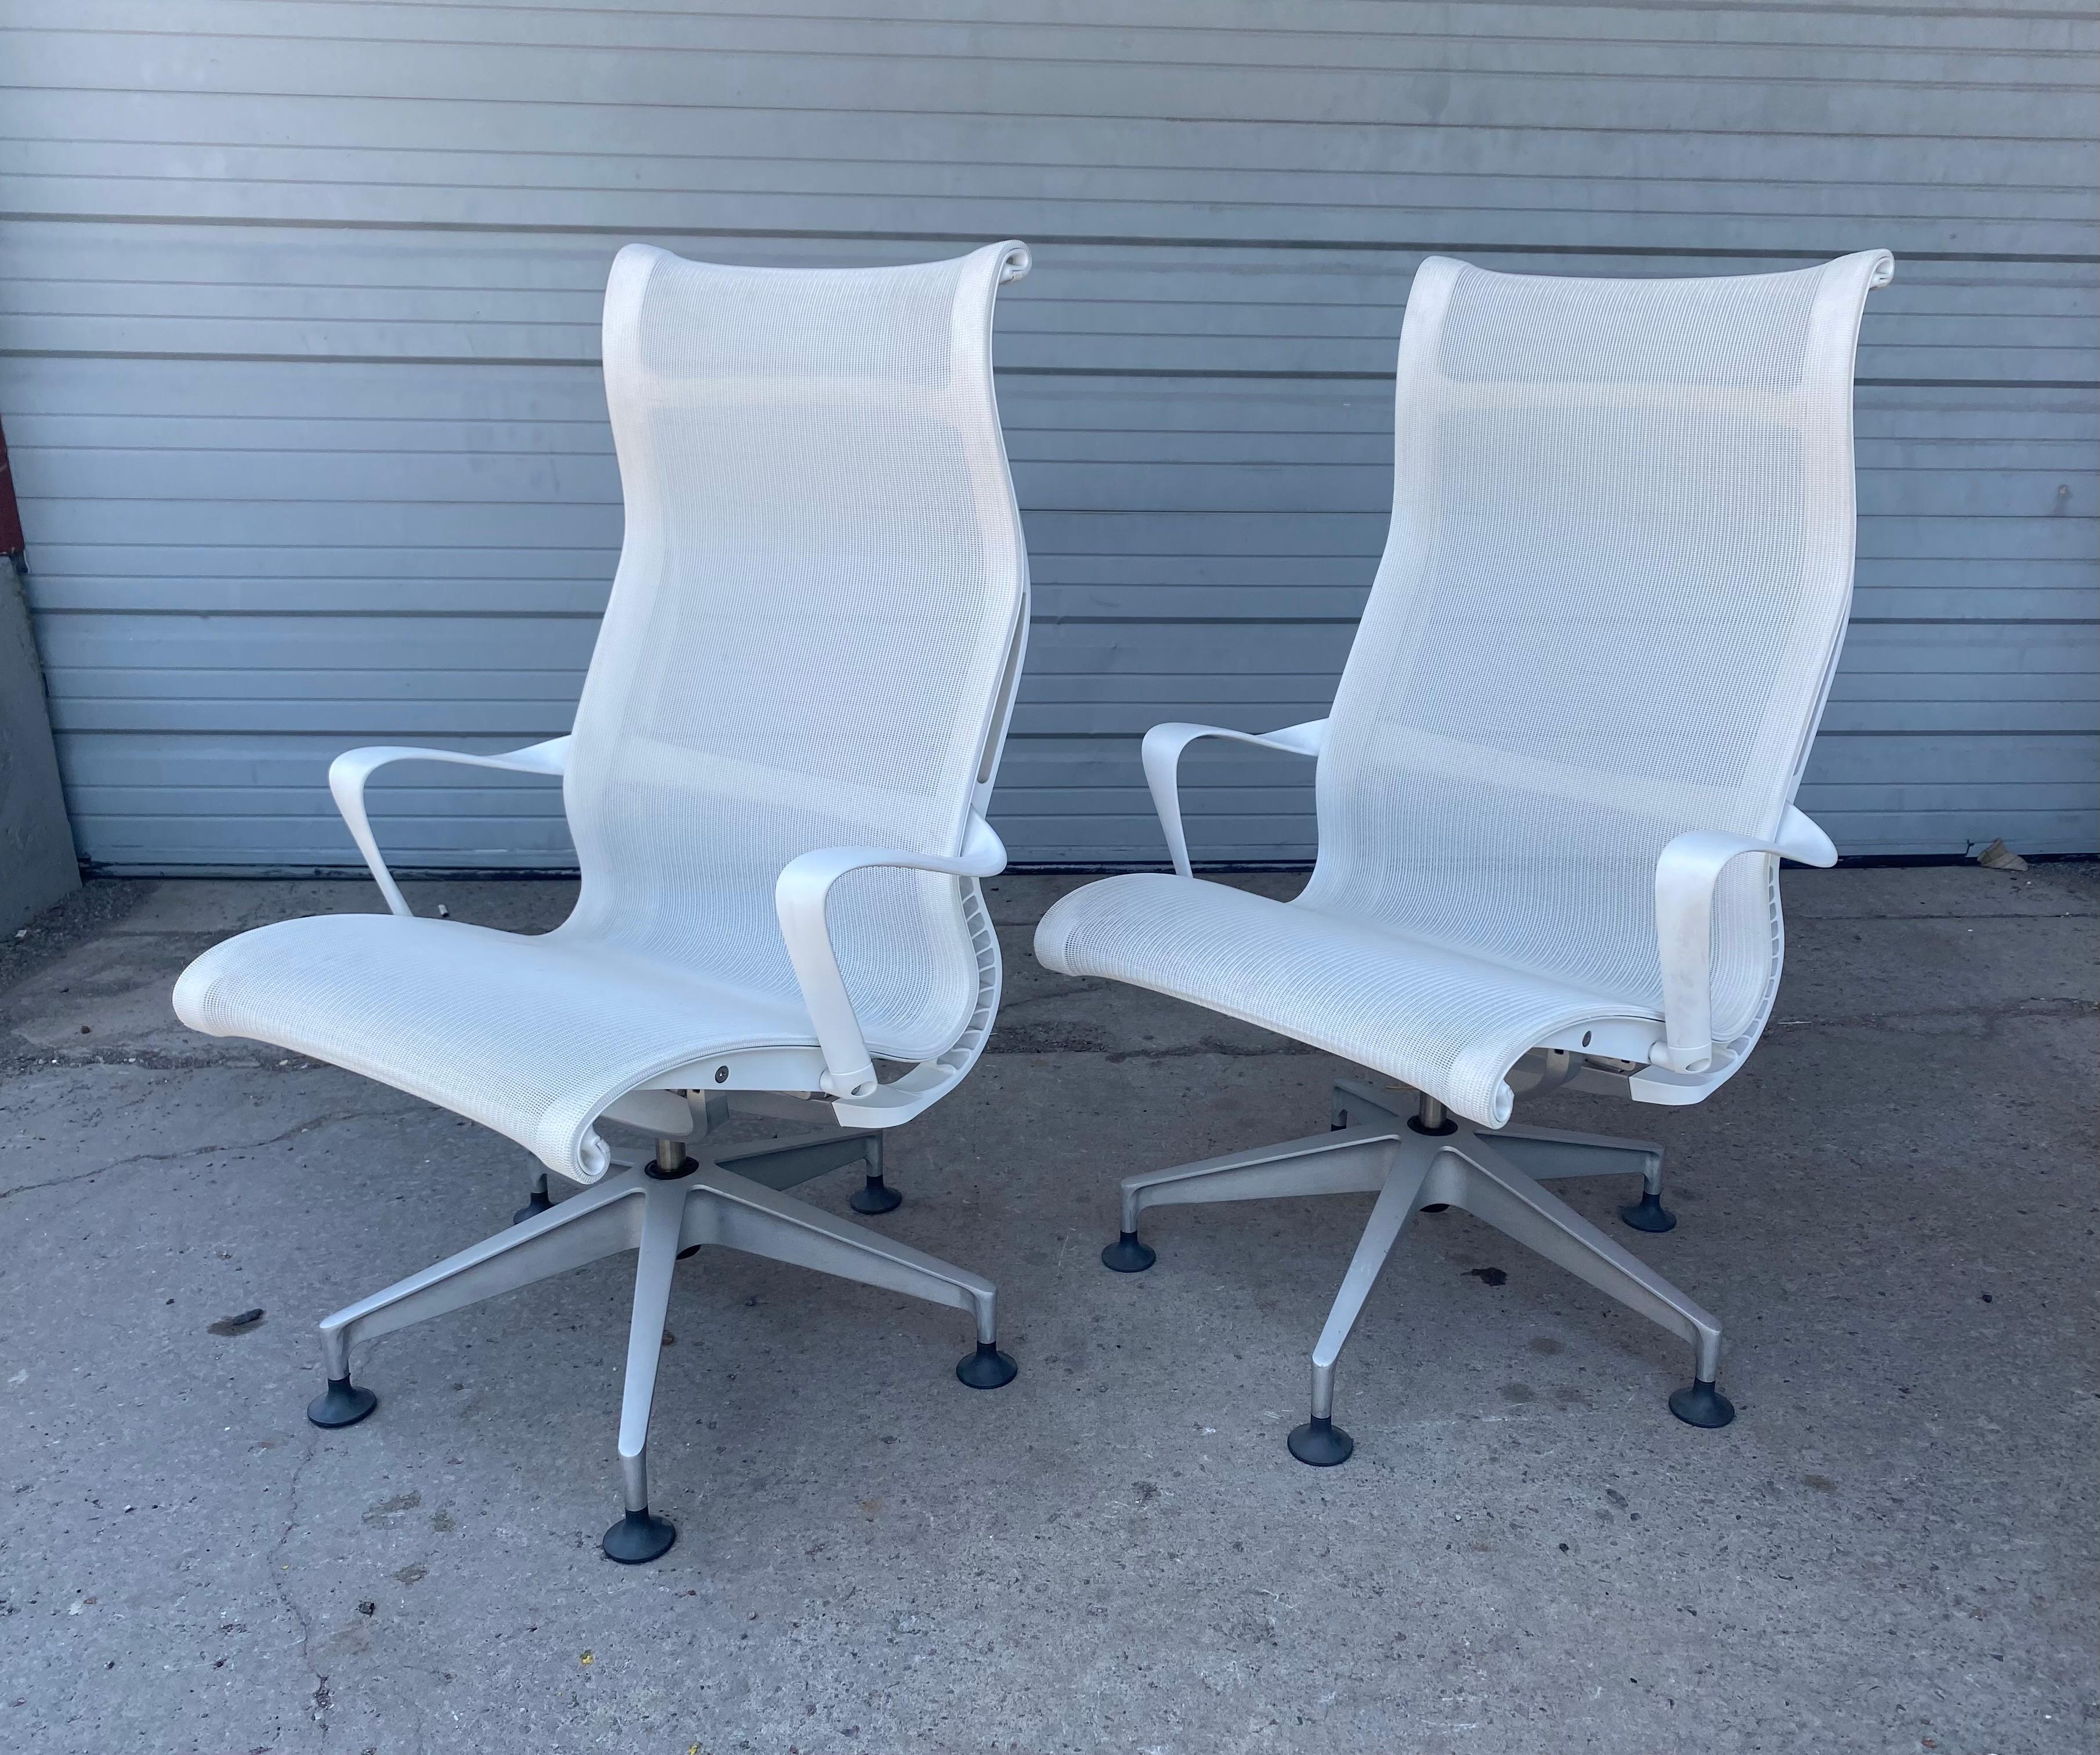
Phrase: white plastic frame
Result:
[800,898]
[1163,745]
[350,771]
[1686,875]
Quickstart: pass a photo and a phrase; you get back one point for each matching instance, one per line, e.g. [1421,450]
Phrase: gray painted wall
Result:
[300,325]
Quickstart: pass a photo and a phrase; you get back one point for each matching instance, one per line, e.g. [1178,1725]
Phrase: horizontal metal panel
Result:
[2036,25]
[359,679]
[288,293]
[118,475]
[1087,830]
[1261,33]
[1258,592]
[512,711]
[444,528]
[751,61]
[503,406]
[246,644]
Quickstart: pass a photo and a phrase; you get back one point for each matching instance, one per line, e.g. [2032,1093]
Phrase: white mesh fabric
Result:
[532,1036]
[822,561]
[1440,1018]
[821,581]
[1616,577]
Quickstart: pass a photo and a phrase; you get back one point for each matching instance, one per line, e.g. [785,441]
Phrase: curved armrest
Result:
[349,772]
[798,898]
[1163,745]
[1686,875]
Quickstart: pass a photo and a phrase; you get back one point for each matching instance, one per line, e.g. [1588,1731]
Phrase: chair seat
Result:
[533,1036]
[1440,1020]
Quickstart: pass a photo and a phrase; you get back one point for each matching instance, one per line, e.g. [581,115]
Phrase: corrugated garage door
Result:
[301,320]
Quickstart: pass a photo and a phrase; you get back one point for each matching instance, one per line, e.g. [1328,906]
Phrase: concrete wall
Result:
[300,331]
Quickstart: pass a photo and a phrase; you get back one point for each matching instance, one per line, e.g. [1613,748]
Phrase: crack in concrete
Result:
[194,1151]
[321,1698]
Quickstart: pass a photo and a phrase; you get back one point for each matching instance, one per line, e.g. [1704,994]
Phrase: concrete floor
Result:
[1893,1210]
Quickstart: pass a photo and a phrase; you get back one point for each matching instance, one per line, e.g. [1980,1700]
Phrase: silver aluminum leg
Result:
[657,1217]
[1544,1152]
[1547,1153]
[1394,1207]
[1352,1161]
[1357,1103]
[601,1221]
[1376,1143]
[780,1163]
[739,1213]
[1496,1190]
[639,1536]
[1320,1442]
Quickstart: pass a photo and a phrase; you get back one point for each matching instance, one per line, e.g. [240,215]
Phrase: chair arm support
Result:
[1163,745]
[798,898]
[1686,875]
[349,772]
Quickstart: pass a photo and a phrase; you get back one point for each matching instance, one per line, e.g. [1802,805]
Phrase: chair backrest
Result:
[822,595]
[1611,601]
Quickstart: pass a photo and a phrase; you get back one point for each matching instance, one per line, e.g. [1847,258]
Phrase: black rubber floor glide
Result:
[342,1403]
[987,1368]
[639,1537]
[1649,1213]
[875,1195]
[1320,1443]
[1702,1405]
[1126,1255]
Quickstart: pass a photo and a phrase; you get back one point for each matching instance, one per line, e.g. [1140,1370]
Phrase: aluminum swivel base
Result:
[780,1165]
[1416,1158]
[658,1214]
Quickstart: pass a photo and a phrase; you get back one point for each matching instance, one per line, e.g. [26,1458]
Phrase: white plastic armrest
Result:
[349,772]
[1686,875]
[1163,745]
[800,897]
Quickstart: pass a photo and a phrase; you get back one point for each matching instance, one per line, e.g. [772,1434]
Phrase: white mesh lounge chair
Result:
[802,679]
[1559,772]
